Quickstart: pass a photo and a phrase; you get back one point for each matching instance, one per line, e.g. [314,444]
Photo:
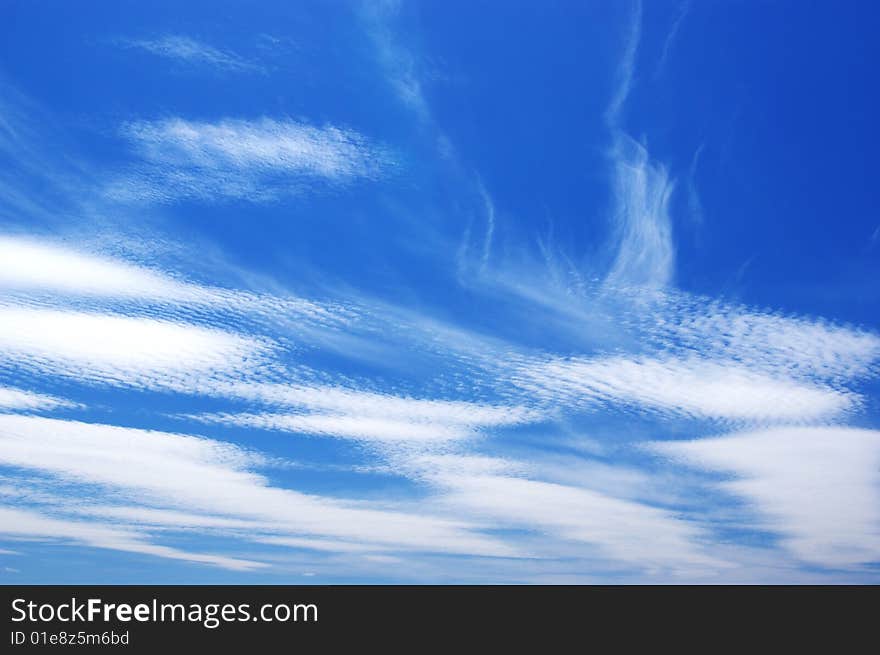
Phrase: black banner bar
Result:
[198,619]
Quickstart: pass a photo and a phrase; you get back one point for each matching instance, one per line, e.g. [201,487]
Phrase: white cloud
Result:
[367,428]
[591,518]
[688,358]
[334,546]
[16,399]
[30,265]
[184,48]
[255,160]
[429,466]
[640,221]
[671,36]
[378,405]
[690,387]
[626,68]
[120,349]
[30,268]
[400,64]
[817,487]
[642,227]
[266,143]
[621,530]
[202,476]
[358,402]
[356,414]
[24,524]
[798,347]
[165,518]
[490,226]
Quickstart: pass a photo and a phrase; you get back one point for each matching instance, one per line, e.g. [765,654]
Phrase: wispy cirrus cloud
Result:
[255,160]
[185,49]
[641,224]
[626,68]
[400,64]
[671,36]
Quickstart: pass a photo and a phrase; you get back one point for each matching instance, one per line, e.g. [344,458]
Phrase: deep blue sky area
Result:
[439,291]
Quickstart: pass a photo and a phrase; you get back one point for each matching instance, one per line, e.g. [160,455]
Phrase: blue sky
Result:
[439,292]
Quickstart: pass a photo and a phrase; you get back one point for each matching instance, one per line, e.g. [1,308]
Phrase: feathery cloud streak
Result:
[255,160]
[183,48]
